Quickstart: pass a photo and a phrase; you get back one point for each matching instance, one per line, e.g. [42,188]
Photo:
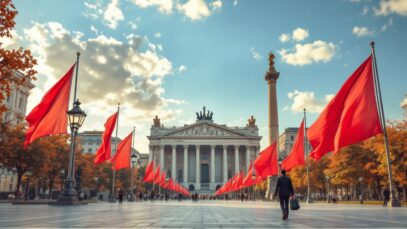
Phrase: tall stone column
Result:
[162,157]
[151,152]
[174,162]
[198,167]
[236,159]
[271,78]
[212,164]
[225,163]
[248,150]
[185,163]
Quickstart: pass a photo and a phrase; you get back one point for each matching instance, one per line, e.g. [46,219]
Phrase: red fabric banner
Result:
[104,151]
[296,156]
[266,163]
[49,116]
[350,117]
[157,175]
[149,174]
[121,159]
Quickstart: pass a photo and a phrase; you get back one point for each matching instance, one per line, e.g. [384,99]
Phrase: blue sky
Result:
[169,58]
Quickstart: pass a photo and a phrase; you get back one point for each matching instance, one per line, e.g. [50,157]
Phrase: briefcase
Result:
[294,204]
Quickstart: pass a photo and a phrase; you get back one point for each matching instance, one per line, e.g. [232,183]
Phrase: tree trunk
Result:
[19,179]
[51,185]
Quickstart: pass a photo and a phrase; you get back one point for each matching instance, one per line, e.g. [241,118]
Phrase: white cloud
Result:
[300,34]
[365,10]
[235,3]
[93,29]
[10,42]
[163,6]
[362,31]
[387,24]
[157,35]
[194,9]
[132,25]
[403,103]
[318,51]
[308,101]
[216,5]
[113,14]
[392,6]
[284,37]
[255,54]
[182,68]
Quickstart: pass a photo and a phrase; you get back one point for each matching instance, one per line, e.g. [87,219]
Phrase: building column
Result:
[248,149]
[236,159]
[213,163]
[162,156]
[225,163]
[151,152]
[197,167]
[185,163]
[174,165]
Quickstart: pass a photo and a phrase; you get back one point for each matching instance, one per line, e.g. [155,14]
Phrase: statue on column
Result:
[251,122]
[157,122]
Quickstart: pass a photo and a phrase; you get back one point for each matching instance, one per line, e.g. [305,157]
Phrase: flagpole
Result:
[132,198]
[113,199]
[394,202]
[306,158]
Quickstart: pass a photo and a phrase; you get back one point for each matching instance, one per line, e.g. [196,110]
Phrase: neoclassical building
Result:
[203,155]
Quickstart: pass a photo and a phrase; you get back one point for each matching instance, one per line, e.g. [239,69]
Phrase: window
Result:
[20,103]
[180,175]
[89,150]
[292,138]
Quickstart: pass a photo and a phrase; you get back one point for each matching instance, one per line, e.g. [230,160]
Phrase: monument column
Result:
[174,160]
[213,164]
[185,163]
[236,159]
[197,167]
[271,78]
[162,156]
[225,163]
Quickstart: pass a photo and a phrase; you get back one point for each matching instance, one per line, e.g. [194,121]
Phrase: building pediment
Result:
[205,129]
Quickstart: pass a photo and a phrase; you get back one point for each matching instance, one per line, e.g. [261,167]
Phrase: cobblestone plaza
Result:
[204,214]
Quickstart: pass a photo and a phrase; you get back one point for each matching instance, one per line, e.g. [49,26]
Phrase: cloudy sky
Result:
[171,57]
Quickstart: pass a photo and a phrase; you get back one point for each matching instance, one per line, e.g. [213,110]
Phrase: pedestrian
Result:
[284,190]
[121,194]
[140,196]
[386,196]
[242,197]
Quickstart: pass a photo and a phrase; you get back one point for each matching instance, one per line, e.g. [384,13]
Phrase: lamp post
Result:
[361,191]
[62,178]
[327,181]
[133,164]
[76,117]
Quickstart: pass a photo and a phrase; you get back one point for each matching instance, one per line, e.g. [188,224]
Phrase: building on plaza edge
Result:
[203,155]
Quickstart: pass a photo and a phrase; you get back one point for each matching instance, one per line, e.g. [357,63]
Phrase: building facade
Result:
[286,142]
[203,155]
[16,105]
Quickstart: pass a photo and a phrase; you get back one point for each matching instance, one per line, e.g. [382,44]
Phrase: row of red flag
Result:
[155,176]
[350,117]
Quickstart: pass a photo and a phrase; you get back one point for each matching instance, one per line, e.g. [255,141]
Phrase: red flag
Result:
[121,159]
[157,175]
[49,116]
[350,117]
[148,176]
[162,179]
[104,151]
[248,180]
[296,156]
[266,163]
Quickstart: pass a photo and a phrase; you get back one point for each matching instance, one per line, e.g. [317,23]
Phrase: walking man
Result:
[284,190]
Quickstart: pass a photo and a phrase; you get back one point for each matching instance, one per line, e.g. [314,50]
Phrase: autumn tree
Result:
[12,60]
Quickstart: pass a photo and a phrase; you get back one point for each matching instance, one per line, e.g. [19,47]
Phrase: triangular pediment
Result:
[205,129]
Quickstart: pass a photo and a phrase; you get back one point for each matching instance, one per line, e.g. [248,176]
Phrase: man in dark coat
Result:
[284,190]
[386,196]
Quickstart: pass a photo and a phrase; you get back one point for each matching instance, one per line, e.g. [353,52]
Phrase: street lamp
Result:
[133,164]
[76,117]
[361,191]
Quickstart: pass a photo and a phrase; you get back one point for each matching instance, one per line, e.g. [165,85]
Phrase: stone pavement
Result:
[205,214]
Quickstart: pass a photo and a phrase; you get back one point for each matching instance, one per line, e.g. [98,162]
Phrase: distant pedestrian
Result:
[242,197]
[140,196]
[284,190]
[386,196]
[121,194]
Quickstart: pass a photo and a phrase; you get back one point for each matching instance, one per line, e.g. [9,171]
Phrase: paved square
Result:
[205,214]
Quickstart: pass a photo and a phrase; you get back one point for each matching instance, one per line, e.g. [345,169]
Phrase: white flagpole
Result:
[394,202]
[306,158]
